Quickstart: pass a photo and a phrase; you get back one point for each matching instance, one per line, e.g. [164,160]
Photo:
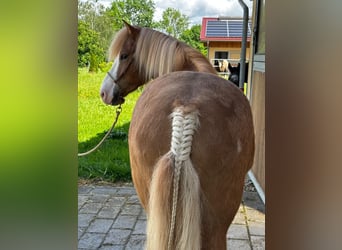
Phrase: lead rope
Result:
[118,111]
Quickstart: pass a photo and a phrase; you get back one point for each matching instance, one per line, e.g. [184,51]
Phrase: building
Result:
[222,37]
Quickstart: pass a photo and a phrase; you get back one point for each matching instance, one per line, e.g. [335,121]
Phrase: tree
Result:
[87,12]
[192,37]
[135,12]
[90,52]
[94,15]
[173,22]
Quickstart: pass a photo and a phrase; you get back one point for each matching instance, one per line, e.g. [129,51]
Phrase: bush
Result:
[90,52]
[105,66]
[94,65]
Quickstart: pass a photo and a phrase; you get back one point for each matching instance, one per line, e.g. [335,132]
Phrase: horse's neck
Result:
[171,56]
[198,62]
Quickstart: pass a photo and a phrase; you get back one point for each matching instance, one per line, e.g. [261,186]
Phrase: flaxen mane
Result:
[158,54]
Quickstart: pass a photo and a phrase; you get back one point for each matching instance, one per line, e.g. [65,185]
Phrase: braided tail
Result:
[175,185]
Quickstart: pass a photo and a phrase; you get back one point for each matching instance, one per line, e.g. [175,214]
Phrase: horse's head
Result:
[123,77]
[234,74]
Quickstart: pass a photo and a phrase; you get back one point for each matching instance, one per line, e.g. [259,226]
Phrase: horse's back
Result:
[222,147]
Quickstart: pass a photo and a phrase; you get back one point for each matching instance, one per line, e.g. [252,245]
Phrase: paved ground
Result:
[110,217]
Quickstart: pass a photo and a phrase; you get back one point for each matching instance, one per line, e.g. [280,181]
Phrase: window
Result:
[221,54]
[260,43]
[219,57]
[259,39]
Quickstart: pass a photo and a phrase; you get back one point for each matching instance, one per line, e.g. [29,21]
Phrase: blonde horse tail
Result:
[174,216]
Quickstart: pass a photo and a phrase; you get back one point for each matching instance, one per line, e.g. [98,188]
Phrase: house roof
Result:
[223,29]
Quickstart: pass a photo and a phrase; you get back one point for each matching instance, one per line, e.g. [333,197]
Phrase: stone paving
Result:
[110,217]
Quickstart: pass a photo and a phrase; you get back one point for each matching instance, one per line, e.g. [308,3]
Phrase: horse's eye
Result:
[123,56]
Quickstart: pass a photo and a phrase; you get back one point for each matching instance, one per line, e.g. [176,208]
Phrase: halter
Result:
[116,80]
[112,77]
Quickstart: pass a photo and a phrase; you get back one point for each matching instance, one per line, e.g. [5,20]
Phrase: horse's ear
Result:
[131,29]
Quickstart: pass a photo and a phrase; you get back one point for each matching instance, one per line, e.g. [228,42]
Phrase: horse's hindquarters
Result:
[222,147]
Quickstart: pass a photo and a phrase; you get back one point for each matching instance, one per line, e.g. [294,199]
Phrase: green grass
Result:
[111,161]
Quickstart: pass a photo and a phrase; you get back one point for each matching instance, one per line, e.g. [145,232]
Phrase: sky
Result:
[196,9]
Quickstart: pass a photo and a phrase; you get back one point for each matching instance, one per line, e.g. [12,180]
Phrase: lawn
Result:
[111,161]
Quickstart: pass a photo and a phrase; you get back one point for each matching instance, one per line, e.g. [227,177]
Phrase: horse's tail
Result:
[174,217]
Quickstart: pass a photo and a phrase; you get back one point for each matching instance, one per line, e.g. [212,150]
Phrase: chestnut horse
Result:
[191,138]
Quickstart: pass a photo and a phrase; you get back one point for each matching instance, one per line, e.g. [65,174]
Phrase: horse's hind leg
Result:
[218,212]
[214,240]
